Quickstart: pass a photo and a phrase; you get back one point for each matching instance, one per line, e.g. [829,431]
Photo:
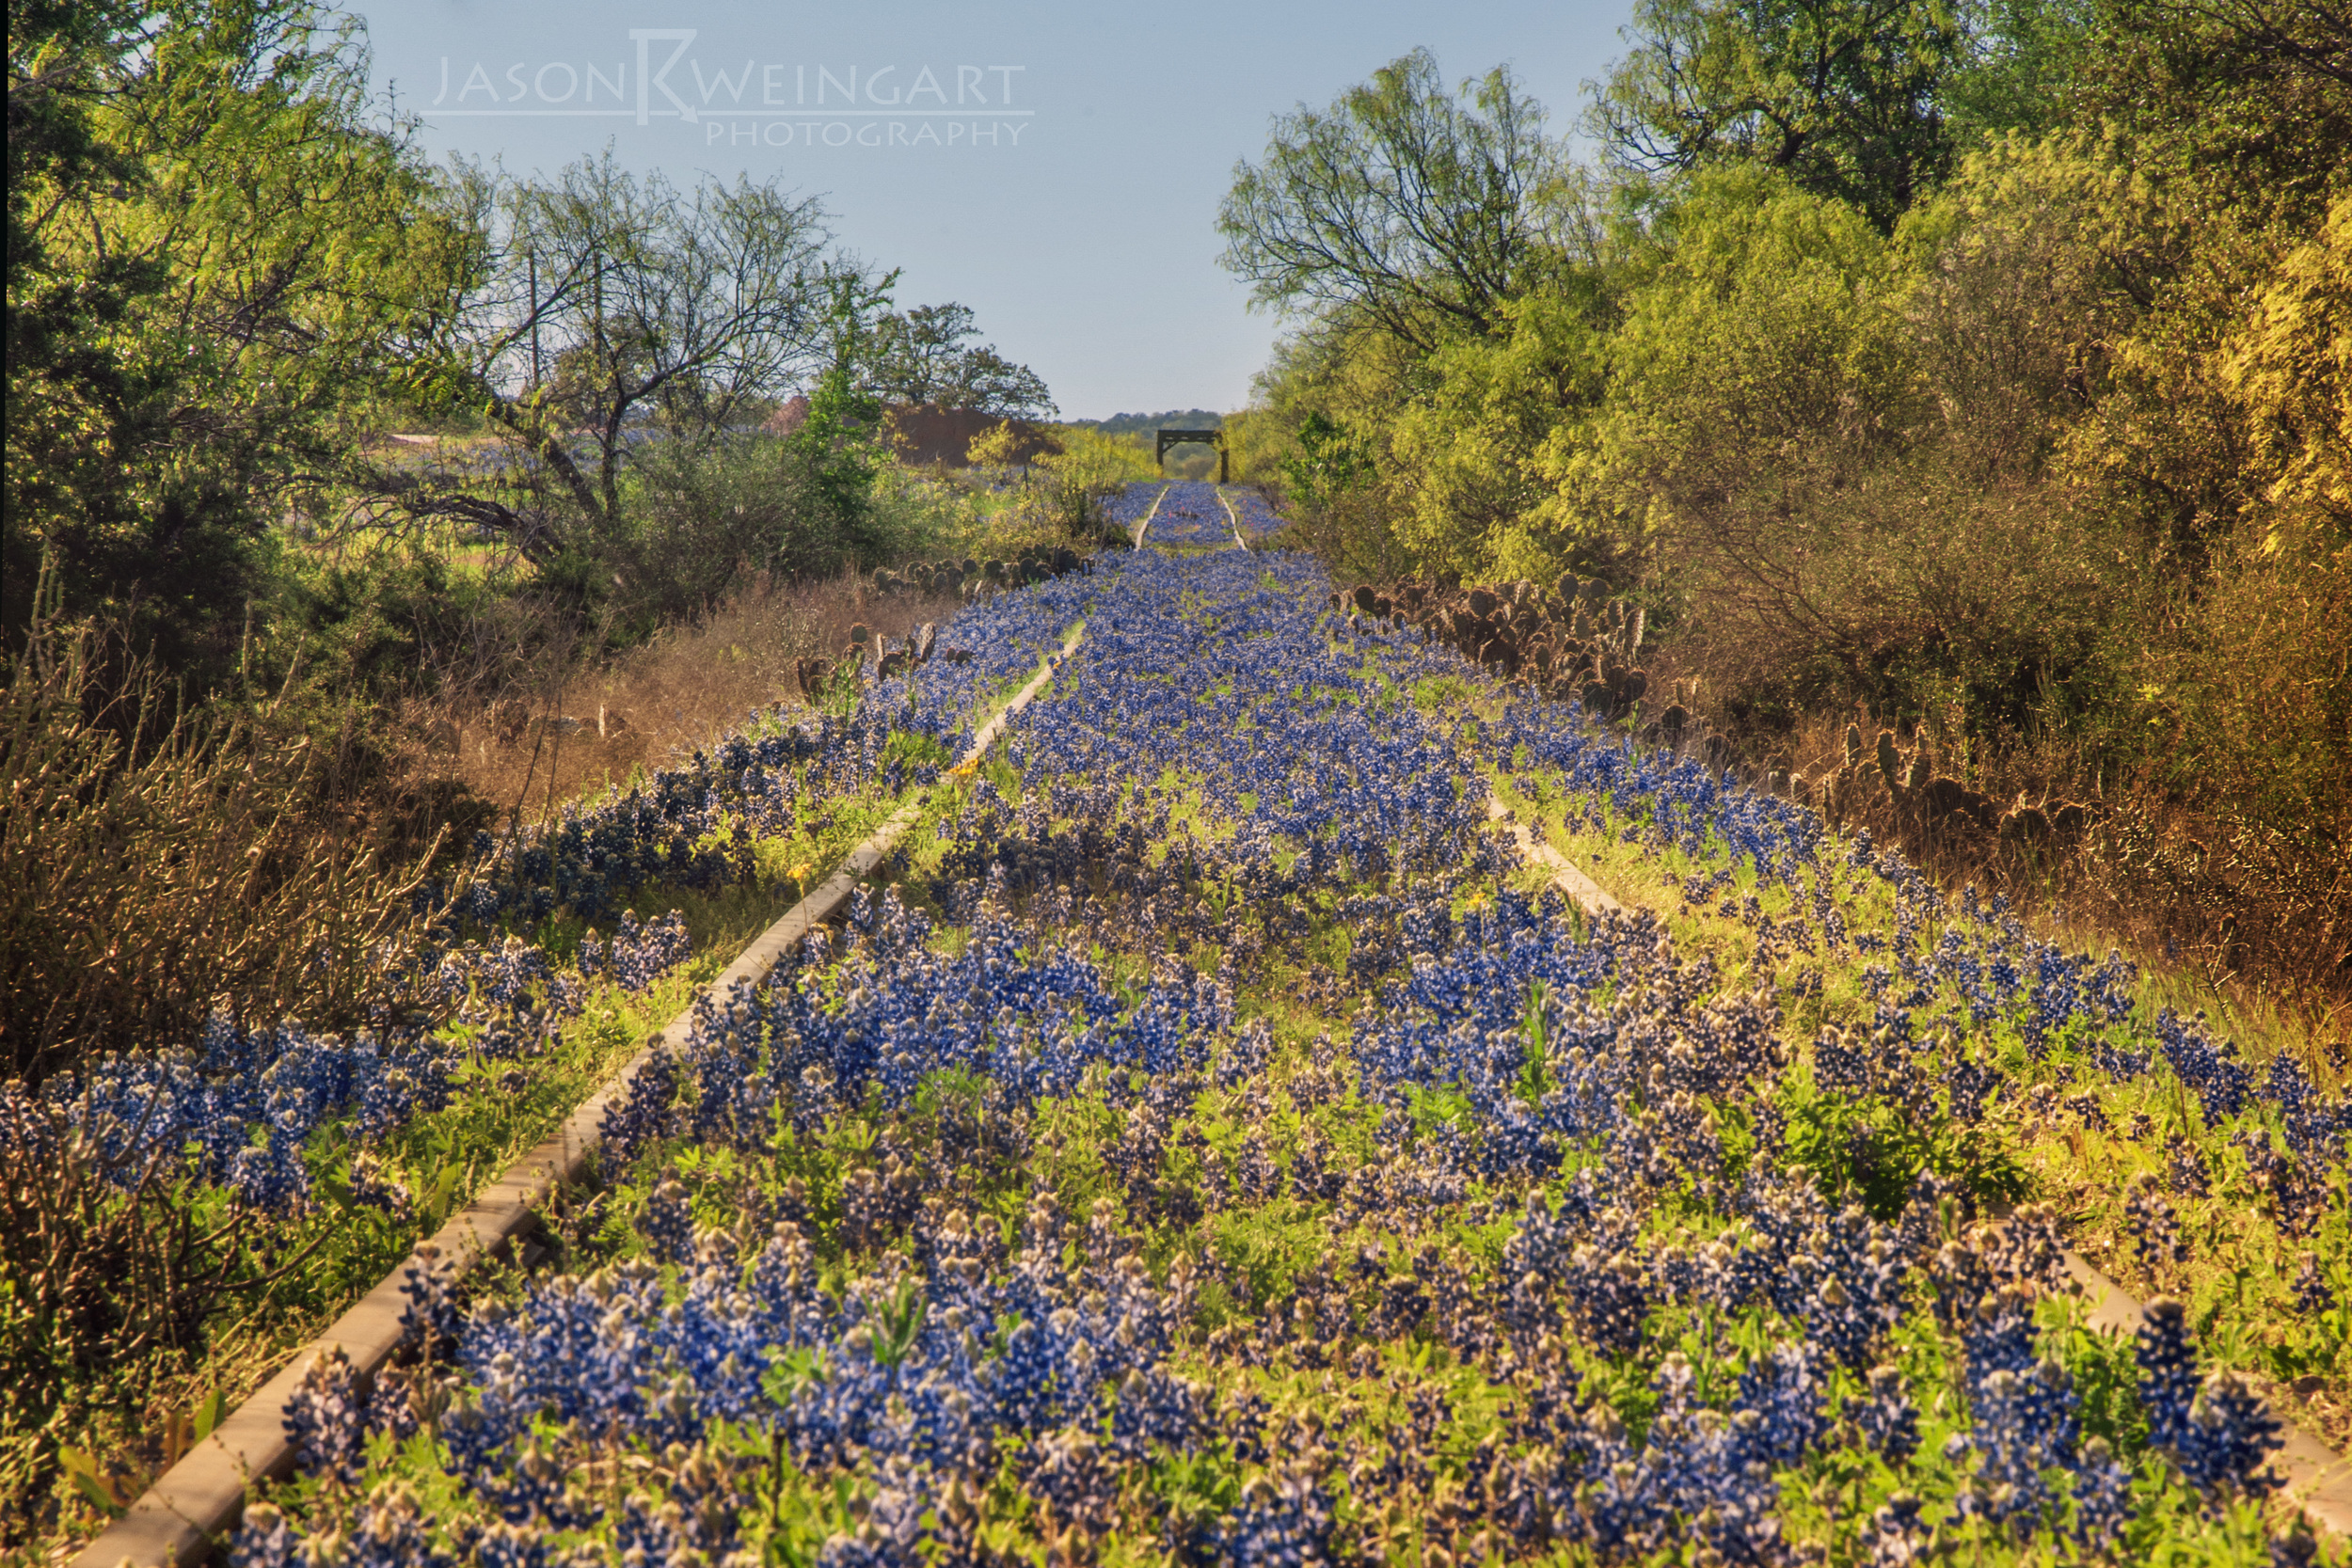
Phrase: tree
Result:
[1418,208]
[2251,100]
[1327,461]
[618,309]
[2022,68]
[921,356]
[220,256]
[1842,95]
[839,444]
[2290,366]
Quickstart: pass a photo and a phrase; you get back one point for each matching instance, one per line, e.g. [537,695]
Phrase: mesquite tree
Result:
[1421,208]
[612,309]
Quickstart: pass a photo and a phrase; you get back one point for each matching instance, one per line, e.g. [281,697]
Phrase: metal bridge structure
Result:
[1208,437]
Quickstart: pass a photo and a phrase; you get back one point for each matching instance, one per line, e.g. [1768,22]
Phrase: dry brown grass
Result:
[683,691]
[2255,931]
[154,857]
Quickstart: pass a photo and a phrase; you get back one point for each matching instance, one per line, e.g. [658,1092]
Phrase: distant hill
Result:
[1129,424]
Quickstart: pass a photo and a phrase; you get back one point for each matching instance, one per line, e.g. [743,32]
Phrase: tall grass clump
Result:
[156,855]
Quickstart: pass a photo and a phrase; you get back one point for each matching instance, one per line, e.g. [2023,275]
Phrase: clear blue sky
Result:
[1055,166]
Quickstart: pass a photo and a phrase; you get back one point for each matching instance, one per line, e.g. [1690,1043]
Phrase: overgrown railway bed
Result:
[1210,1136]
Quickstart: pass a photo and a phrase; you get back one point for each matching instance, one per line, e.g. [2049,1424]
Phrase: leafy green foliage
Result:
[923,356]
[1410,203]
[218,250]
[1971,364]
[1839,95]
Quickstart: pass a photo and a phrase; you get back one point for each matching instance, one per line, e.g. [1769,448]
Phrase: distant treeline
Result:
[1143,424]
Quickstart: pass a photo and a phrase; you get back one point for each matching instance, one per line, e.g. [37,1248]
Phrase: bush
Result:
[702,513]
[2255,721]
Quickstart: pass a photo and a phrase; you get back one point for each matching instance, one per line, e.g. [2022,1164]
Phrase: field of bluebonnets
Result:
[280,1120]
[1211,1143]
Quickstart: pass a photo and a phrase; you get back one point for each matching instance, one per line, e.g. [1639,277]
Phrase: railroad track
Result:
[2316,1473]
[1234,518]
[178,1519]
[1145,526]
[1212,678]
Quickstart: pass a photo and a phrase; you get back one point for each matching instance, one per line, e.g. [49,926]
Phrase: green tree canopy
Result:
[1842,95]
[219,251]
[610,304]
[926,355]
[1419,208]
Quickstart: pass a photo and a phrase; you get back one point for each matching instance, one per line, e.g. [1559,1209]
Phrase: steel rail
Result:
[1234,518]
[1144,527]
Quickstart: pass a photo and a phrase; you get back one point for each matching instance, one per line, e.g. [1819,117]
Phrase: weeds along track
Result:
[1218,1139]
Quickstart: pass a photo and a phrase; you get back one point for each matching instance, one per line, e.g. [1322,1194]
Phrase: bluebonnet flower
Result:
[1782,1392]
[505,1546]
[642,954]
[2153,1228]
[2103,1498]
[1887,1419]
[373,1187]
[2297,1197]
[1609,1296]
[2315,1128]
[1899,1536]
[2208,1067]
[429,1317]
[668,1224]
[2312,1293]
[639,1116]
[265,1540]
[1283,1520]
[1841,1065]
[2294,1545]
[2185,1168]
[2167,1372]
[1075,1480]
[2228,1439]
[2024,1426]
[1850,1283]
[393,1532]
[325,1420]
